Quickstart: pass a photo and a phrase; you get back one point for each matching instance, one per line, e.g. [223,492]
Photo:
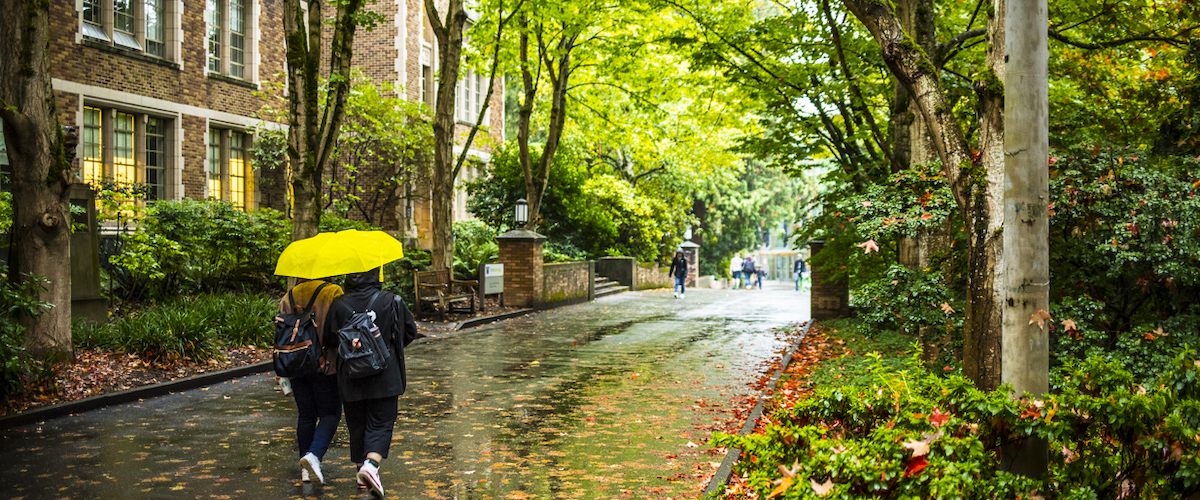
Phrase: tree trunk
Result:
[1026,277]
[313,128]
[41,173]
[449,34]
[968,182]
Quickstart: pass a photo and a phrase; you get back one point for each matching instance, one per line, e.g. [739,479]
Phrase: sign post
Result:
[491,282]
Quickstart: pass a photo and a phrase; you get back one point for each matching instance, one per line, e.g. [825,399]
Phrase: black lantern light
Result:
[522,212]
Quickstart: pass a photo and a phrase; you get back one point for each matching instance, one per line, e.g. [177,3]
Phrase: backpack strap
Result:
[371,301]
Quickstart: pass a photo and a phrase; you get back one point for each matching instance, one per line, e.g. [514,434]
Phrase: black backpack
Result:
[361,346]
[297,341]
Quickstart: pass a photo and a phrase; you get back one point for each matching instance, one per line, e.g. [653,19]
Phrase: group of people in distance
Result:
[371,402]
[746,275]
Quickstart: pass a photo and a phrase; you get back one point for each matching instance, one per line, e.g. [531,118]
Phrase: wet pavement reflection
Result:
[609,399]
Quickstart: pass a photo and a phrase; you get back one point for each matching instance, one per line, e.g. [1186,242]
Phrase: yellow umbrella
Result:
[334,254]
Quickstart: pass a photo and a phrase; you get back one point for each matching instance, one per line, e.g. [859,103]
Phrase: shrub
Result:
[912,434]
[195,328]
[198,246]
[18,299]
[474,244]
[398,277]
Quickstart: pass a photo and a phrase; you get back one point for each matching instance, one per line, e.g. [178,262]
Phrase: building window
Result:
[138,25]
[155,39]
[237,39]
[214,164]
[427,75]
[125,148]
[124,165]
[228,36]
[214,14]
[93,145]
[469,97]
[229,169]
[156,159]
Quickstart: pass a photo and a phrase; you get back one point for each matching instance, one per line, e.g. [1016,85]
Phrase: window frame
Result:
[132,26]
[113,146]
[229,150]
[230,53]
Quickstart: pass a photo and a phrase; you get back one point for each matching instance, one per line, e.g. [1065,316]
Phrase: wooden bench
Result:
[437,291]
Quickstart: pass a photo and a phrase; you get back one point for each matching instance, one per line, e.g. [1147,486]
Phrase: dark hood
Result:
[368,280]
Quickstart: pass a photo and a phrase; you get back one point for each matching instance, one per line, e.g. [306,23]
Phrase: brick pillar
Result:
[692,252]
[521,254]
[830,298]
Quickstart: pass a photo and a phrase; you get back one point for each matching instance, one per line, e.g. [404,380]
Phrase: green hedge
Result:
[194,327]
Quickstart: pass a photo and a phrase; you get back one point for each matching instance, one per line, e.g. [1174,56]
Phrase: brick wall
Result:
[94,65]
[565,282]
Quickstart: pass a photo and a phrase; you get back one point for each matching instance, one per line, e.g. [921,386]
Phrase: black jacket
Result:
[678,267]
[393,319]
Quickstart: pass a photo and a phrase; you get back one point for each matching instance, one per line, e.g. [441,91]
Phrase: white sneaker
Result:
[369,475]
[682,295]
[676,294]
[312,467]
[304,475]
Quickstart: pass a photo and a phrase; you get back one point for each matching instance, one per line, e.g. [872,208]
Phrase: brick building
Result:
[162,91]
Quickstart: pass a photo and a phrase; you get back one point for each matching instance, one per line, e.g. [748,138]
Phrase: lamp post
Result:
[522,212]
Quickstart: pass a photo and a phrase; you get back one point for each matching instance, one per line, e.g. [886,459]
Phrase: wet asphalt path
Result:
[610,399]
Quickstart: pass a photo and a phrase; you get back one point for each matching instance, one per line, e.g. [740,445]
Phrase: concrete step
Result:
[610,289]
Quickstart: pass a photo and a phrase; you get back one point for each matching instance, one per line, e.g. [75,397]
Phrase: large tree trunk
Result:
[1026,277]
[968,182]
[313,129]
[449,34]
[41,173]
[982,353]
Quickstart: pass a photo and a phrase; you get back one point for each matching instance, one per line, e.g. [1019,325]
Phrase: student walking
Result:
[799,268]
[735,271]
[749,273]
[318,406]
[371,402]
[679,271]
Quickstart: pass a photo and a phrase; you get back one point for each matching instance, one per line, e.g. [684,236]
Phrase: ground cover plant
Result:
[883,432]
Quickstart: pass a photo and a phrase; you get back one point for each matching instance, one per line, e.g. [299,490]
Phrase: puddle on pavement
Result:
[604,400]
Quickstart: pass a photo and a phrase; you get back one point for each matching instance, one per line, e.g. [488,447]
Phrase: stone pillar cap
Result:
[521,234]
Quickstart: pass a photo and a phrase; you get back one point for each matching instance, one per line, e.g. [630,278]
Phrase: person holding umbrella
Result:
[318,405]
[371,402]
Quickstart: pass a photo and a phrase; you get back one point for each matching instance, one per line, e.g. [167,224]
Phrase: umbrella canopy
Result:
[335,254]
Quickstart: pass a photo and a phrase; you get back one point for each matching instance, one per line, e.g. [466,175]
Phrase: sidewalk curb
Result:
[733,454]
[205,379]
[483,320]
[147,391]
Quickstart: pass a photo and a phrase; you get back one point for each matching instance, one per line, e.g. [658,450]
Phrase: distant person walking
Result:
[735,271]
[318,405]
[679,271]
[799,268]
[371,402]
[749,273]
